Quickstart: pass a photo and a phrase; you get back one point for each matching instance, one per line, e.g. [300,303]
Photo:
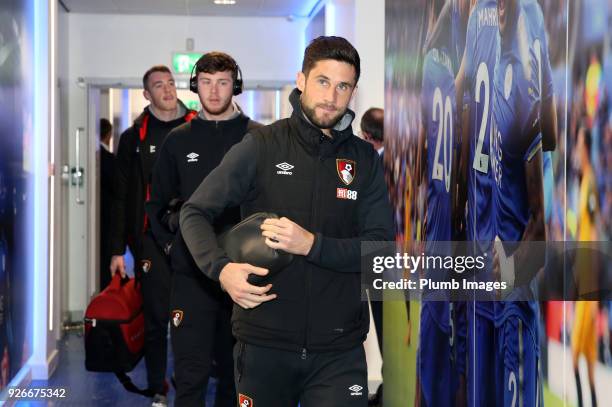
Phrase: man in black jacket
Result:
[107,175]
[372,130]
[137,152]
[300,336]
[200,311]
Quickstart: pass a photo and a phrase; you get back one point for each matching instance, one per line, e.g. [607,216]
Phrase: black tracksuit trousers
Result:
[200,332]
[277,378]
[154,269]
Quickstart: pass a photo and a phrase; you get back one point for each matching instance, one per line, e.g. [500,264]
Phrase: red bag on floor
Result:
[114,328]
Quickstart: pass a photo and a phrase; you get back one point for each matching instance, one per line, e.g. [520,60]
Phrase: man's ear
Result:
[301,81]
[146,94]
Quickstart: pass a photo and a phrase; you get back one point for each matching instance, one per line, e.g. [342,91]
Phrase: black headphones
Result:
[193,79]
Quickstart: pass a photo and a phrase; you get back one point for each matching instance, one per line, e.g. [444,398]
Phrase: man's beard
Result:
[218,111]
[327,124]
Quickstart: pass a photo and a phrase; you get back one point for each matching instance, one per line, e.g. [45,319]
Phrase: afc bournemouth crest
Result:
[146,265]
[244,401]
[177,317]
[346,170]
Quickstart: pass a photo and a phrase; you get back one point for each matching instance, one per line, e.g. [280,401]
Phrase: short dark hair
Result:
[105,128]
[154,68]
[373,122]
[331,47]
[216,61]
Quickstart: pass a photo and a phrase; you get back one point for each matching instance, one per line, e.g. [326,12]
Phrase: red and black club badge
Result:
[346,170]
[244,401]
[145,265]
[177,317]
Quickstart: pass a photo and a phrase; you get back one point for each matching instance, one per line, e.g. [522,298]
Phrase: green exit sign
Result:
[192,104]
[183,62]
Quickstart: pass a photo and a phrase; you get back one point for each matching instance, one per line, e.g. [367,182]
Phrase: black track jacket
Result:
[190,152]
[332,187]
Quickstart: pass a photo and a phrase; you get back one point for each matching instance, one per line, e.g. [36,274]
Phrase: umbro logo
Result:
[152,149]
[284,168]
[355,390]
[192,157]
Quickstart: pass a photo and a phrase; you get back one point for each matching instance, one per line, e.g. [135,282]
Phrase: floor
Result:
[85,388]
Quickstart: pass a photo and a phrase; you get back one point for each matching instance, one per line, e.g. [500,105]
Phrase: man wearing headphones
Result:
[138,149]
[200,318]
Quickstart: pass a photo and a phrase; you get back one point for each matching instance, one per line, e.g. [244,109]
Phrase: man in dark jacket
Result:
[107,175]
[200,311]
[300,336]
[372,130]
[136,155]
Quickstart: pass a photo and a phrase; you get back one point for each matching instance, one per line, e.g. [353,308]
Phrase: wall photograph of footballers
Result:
[498,133]
[16,92]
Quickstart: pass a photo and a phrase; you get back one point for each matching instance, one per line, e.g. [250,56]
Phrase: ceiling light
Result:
[225,2]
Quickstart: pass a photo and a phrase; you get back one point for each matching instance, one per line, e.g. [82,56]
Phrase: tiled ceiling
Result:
[242,8]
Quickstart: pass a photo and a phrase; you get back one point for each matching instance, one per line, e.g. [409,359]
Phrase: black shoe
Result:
[214,369]
[159,400]
[376,400]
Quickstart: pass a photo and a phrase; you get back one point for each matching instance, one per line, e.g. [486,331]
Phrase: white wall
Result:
[61,197]
[340,19]
[118,47]
[362,22]
[61,111]
[370,42]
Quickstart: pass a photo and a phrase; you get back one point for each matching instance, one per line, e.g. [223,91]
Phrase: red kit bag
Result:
[114,330]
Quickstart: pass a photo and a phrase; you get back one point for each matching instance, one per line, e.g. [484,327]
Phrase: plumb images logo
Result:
[355,390]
